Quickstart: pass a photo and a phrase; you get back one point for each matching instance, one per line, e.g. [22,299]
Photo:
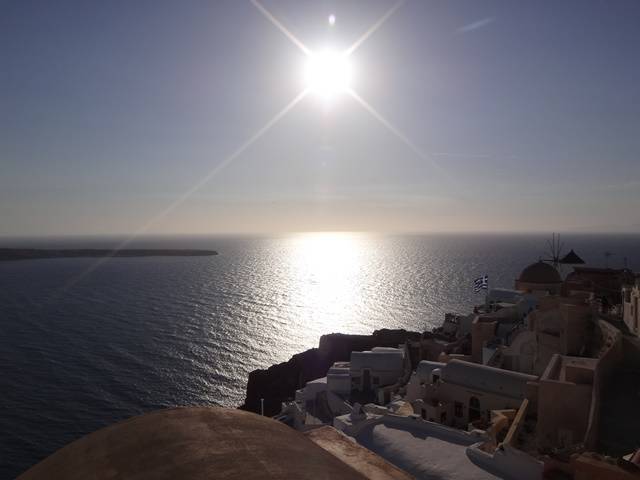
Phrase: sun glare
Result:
[325,276]
[328,73]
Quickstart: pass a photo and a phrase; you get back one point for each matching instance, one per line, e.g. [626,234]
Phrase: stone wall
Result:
[610,356]
[563,408]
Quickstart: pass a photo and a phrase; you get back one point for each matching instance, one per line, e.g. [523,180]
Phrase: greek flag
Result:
[481,283]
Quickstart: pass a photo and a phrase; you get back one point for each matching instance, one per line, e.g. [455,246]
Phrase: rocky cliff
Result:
[279,382]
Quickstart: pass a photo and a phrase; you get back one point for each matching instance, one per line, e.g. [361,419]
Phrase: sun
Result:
[328,73]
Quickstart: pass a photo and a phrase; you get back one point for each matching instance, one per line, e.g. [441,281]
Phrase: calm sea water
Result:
[84,345]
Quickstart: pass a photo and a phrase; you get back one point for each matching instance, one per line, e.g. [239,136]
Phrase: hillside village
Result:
[539,381]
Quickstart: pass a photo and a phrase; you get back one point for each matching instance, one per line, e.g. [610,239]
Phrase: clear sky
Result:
[501,115]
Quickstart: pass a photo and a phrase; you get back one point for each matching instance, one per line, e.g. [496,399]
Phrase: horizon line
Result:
[321,231]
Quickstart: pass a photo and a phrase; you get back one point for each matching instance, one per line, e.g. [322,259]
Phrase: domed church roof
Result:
[540,272]
[194,443]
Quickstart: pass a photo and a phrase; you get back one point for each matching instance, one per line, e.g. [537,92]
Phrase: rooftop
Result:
[540,272]
[572,258]
[426,450]
[193,443]
[487,379]
[425,367]
[570,369]
[379,358]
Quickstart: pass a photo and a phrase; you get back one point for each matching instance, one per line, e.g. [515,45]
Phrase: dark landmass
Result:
[37,253]
[279,382]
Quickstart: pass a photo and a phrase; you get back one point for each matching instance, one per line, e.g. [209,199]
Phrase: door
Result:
[474,409]
[366,380]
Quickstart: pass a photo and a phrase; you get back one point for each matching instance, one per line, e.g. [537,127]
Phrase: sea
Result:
[87,342]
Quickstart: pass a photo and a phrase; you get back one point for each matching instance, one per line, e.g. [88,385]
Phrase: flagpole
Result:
[486,296]
[482,283]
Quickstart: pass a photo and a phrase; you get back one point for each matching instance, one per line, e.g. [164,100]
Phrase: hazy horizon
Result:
[132,240]
[147,118]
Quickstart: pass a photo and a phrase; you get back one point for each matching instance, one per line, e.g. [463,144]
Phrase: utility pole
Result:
[262,407]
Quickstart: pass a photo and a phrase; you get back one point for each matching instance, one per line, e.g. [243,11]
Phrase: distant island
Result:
[7,254]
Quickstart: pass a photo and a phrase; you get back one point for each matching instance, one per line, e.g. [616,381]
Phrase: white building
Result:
[339,379]
[523,302]
[426,373]
[379,367]
[375,373]
[460,392]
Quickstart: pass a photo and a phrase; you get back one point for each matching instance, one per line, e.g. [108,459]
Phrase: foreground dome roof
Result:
[193,443]
[540,272]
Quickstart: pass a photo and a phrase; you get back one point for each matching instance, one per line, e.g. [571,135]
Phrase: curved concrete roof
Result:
[540,272]
[486,379]
[193,443]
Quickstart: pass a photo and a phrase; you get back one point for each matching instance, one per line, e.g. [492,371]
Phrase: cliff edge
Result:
[279,382]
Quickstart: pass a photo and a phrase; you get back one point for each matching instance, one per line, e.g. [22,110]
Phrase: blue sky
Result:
[111,111]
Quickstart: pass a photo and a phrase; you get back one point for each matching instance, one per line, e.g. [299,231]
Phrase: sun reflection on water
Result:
[326,270]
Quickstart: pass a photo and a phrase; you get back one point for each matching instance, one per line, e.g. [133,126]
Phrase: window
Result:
[443,417]
[457,407]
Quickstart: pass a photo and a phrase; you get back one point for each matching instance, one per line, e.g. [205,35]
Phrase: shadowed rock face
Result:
[193,443]
[280,382]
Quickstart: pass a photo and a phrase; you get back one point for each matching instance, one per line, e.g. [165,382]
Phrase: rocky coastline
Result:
[279,382]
